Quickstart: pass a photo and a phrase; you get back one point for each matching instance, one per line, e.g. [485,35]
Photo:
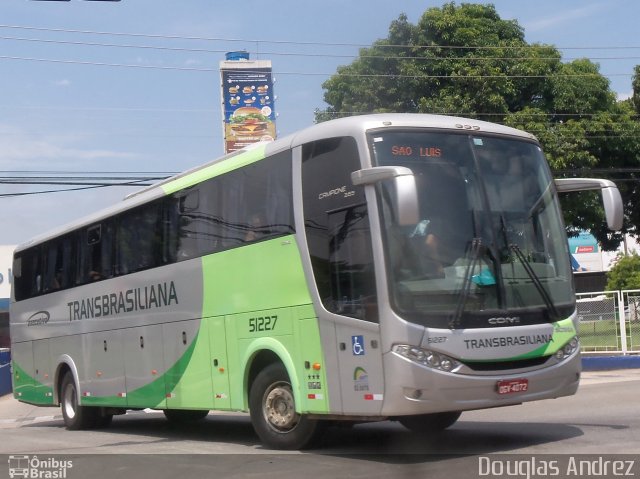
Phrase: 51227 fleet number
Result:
[262,323]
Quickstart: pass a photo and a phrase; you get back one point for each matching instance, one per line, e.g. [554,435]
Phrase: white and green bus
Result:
[404,267]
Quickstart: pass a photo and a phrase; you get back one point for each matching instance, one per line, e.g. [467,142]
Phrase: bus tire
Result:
[76,417]
[185,415]
[426,423]
[273,412]
[102,420]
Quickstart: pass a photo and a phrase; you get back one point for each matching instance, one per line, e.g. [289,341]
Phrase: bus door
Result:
[338,236]
[361,373]
[354,298]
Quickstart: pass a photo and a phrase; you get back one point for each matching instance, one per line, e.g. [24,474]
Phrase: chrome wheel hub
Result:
[279,407]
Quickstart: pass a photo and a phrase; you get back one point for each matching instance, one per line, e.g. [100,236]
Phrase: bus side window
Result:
[243,206]
[337,229]
[58,256]
[196,224]
[96,253]
[170,230]
[140,238]
[28,274]
[268,211]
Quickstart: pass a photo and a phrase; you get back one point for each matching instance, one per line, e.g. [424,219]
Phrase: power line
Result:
[350,113]
[107,64]
[298,43]
[299,73]
[466,114]
[581,171]
[304,54]
[30,193]
[77,184]
[80,181]
[58,172]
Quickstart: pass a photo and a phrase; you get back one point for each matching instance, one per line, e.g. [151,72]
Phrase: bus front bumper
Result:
[416,389]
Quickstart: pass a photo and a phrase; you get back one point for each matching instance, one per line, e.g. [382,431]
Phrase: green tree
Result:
[635,99]
[457,59]
[625,273]
[465,60]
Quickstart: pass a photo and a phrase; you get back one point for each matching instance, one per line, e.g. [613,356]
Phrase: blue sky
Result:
[66,106]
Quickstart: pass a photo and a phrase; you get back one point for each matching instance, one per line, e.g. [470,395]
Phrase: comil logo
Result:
[36,319]
[504,320]
[35,468]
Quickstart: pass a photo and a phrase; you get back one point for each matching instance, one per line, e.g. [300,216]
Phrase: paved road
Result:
[602,419]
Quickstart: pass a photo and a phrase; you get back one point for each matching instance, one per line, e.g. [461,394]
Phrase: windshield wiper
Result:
[536,281]
[474,255]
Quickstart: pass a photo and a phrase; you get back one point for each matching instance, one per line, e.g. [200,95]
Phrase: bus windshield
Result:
[489,248]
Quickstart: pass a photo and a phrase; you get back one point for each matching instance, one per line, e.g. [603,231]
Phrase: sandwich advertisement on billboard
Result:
[248,102]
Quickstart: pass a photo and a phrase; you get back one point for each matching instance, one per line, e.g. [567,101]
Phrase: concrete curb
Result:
[607,363]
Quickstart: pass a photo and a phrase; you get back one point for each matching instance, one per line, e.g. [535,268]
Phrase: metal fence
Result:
[609,322]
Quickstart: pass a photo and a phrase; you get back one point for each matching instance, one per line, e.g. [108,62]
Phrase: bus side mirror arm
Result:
[611,198]
[404,189]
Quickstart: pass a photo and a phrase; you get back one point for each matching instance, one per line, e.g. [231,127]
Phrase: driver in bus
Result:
[443,231]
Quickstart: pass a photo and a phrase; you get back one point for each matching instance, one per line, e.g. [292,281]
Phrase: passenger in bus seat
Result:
[255,228]
[94,276]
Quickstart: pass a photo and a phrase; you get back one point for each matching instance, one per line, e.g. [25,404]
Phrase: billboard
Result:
[247,103]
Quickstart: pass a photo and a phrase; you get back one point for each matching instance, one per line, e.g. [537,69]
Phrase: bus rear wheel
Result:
[426,423]
[273,412]
[75,416]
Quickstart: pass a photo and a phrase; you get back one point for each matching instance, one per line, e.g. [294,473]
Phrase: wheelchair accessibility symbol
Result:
[357,345]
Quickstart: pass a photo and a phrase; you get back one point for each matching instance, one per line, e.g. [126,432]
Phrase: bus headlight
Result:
[426,357]
[568,349]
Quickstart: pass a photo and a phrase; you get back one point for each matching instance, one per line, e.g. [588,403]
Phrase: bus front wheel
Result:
[425,423]
[75,416]
[273,411]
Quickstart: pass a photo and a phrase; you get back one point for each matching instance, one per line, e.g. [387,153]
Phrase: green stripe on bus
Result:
[152,395]
[28,389]
[563,332]
[251,156]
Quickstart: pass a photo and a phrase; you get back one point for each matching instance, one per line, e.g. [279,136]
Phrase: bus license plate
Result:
[513,386]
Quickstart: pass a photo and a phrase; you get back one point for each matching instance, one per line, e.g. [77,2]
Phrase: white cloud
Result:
[19,149]
[22,150]
[62,83]
[624,96]
[45,212]
[564,16]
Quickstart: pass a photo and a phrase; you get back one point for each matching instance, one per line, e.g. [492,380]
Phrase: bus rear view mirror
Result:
[611,198]
[403,189]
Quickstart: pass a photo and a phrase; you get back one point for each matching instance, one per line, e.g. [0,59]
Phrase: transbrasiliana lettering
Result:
[129,301]
[508,341]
